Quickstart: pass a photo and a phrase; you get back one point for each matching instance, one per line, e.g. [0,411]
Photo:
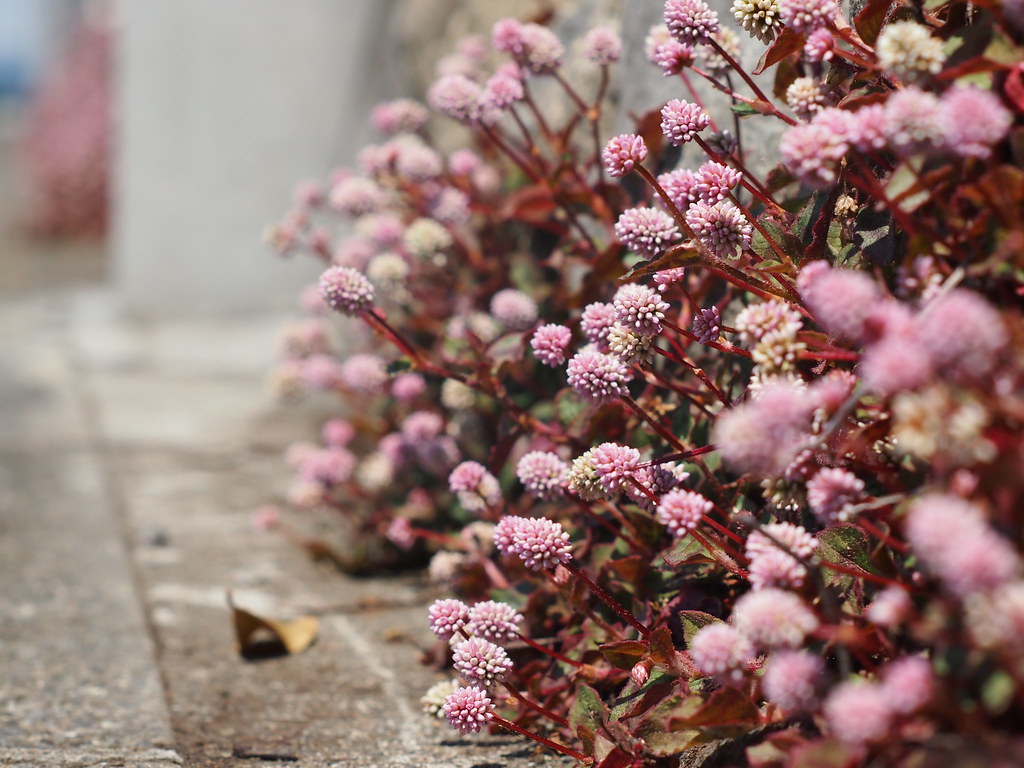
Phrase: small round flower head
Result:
[721,228]
[450,206]
[330,466]
[416,161]
[456,396]
[909,682]
[681,511]
[375,473]
[540,543]
[421,426]
[504,533]
[543,473]
[706,325]
[598,377]
[819,45]
[444,566]
[615,464]
[464,162]
[792,679]
[664,278]
[468,708]
[989,120]
[805,97]
[447,617]
[681,187]
[433,699]
[863,129]
[502,91]
[602,46]
[712,59]
[772,566]
[357,196]
[996,619]
[426,238]
[364,373]
[584,480]
[399,116]
[456,96]
[647,231]
[714,181]
[406,387]
[597,321]
[759,17]
[640,308]
[764,435]
[773,618]
[831,492]
[889,608]
[673,57]
[308,193]
[807,15]
[337,433]
[481,661]
[840,299]
[542,51]
[912,121]
[622,153]
[720,651]
[690,21]
[388,271]
[908,50]
[656,480]
[513,309]
[494,621]
[813,152]
[629,346]
[682,120]
[346,290]
[858,712]
[963,333]
[507,37]
[476,488]
[549,343]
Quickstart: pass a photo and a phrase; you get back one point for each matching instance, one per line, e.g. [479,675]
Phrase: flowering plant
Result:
[718,464]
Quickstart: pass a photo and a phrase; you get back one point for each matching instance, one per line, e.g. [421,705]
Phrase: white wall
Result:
[223,105]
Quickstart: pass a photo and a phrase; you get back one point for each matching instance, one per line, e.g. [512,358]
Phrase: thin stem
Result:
[654,423]
[748,79]
[879,534]
[549,651]
[540,739]
[534,705]
[696,98]
[608,600]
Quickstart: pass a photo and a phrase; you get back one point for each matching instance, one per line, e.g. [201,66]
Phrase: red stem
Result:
[540,739]
[608,600]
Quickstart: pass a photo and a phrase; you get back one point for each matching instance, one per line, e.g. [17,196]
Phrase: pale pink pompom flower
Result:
[494,621]
[640,308]
[456,96]
[807,15]
[831,492]
[718,650]
[963,333]
[691,21]
[346,290]
[549,343]
[673,57]
[714,181]
[597,321]
[681,511]
[476,488]
[792,679]
[364,373]
[840,299]
[615,464]
[406,387]
[682,120]
[858,712]
[889,608]
[909,683]
[647,231]
[813,153]
[513,309]
[764,435]
[989,120]
[447,617]
[540,543]
[706,325]
[598,377]
[773,618]
[623,153]
[681,187]
[468,709]
[543,474]
[721,228]
[337,432]
[481,661]
[602,46]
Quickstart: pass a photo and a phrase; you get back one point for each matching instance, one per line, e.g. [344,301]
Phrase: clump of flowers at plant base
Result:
[697,453]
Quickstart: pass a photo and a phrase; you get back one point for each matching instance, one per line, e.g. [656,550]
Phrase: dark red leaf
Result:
[868,22]
[1014,87]
[787,43]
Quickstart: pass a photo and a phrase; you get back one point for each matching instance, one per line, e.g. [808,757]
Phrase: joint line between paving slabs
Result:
[368,655]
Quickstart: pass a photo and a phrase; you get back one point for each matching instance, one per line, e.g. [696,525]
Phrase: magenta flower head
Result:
[640,308]
[597,320]
[647,231]
[598,377]
[549,343]
[772,618]
[912,121]
[540,543]
[602,46]
[682,120]
[681,511]
[657,480]
[481,661]
[494,621]
[513,309]
[988,125]
[691,21]
[772,566]
[720,651]
[615,464]
[707,325]
[468,708]
[681,187]
[792,679]
[456,96]
[819,45]
[346,290]
[543,473]
[721,228]
[622,153]
[807,15]
[504,533]
[714,181]
[447,617]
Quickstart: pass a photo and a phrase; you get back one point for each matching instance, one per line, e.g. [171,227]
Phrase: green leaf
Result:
[744,109]
[588,710]
[726,707]
[687,550]
[624,654]
[400,365]
[694,621]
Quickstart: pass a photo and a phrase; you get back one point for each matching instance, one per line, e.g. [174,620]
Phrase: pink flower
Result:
[909,683]
[357,196]
[682,511]
[476,488]
[308,193]
[513,309]
[640,308]
[400,533]
[773,566]
[337,433]
[819,45]
[764,435]
[494,621]
[682,120]
[543,473]
[721,228]
[330,466]
[504,533]
[897,360]
[464,162]
[912,121]
[507,37]
[831,491]
[714,181]
[598,377]
[858,712]
[840,299]
[447,617]
[320,372]
[673,57]
[481,661]
[398,116]
[706,325]
[889,607]
[615,464]
[807,15]
[502,91]
[598,319]
[421,426]
[549,343]
[457,97]
[467,709]
[542,50]
[792,679]
[988,124]
[657,480]
[963,333]
[772,618]
[602,46]
[622,153]
[540,543]
[690,21]
[812,152]
[364,373]
[346,290]
[648,231]
[720,651]
[406,387]
[681,187]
